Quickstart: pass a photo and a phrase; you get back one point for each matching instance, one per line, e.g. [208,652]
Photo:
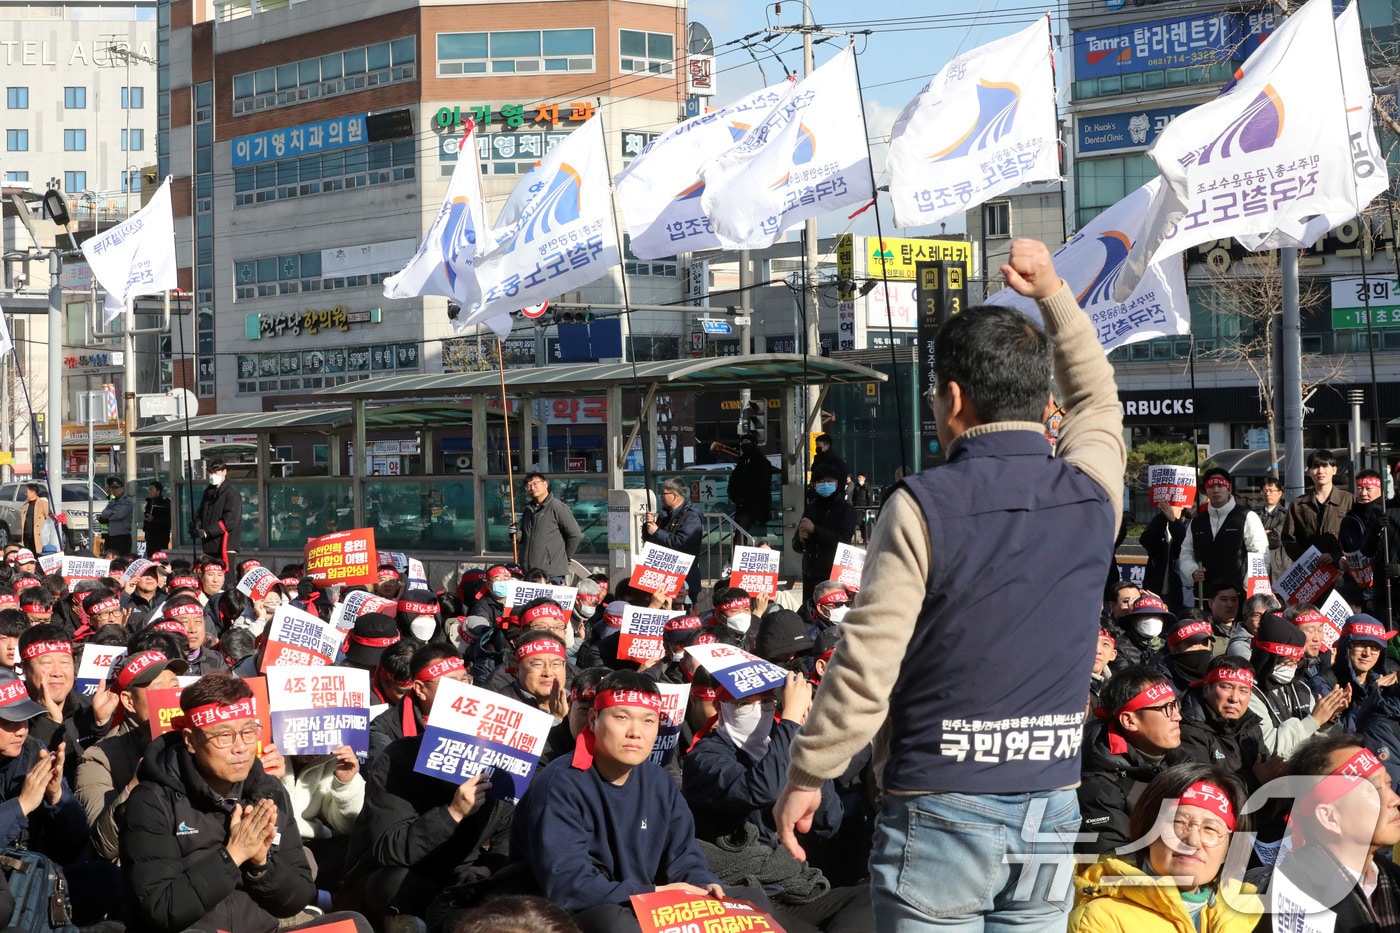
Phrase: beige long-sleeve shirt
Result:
[854,698]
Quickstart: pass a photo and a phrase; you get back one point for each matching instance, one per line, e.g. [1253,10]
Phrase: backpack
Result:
[35,892]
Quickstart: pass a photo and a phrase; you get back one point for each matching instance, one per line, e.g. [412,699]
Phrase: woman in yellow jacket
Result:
[1189,812]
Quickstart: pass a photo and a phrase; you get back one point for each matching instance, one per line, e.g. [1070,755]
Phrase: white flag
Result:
[1090,263]
[807,157]
[984,125]
[564,238]
[1271,151]
[137,256]
[445,263]
[660,191]
[6,344]
[1368,161]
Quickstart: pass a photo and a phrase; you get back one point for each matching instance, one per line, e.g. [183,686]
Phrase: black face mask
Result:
[1190,664]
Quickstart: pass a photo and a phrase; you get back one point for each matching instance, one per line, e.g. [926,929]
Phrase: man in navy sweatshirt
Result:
[603,823]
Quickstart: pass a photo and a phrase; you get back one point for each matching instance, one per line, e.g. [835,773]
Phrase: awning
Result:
[330,419]
[761,370]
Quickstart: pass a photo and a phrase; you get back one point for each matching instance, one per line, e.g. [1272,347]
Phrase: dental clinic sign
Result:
[1133,129]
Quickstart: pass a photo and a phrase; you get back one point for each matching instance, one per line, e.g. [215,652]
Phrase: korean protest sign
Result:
[315,710]
[298,637]
[474,731]
[660,570]
[640,638]
[846,568]
[96,666]
[755,570]
[680,912]
[737,671]
[346,557]
[1171,485]
[674,698]
[1308,578]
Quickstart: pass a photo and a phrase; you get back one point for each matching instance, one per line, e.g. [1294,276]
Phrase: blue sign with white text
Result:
[1136,129]
[1131,48]
[292,141]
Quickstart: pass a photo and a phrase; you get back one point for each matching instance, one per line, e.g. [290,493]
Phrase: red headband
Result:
[738,602]
[1188,631]
[536,646]
[1229,675]
[24,583]
[36,648]
[291,583]
[1215,481]
[171,626]
[1283,651]
[202,717]
[418,609]
[13,692]
[1310,617]
[1369,630]
[189,609]
[105,605]
[184,582]
[587,693]
[439,667]
[34,608]
[682,624]
[607,698]
[1340,782]
[1369,481]
[1105,633]
[1209,797]
[835,597]
[703,693]
[544,611]
[8,599]
[1156,693]
[375,642]
[135,665]
[388,573]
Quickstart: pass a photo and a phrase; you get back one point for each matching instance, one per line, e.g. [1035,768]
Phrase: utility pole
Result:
[129,414]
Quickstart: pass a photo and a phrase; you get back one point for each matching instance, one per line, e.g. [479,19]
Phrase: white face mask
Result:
[740,622]
[747,727]
[216,479]
[837,613]
[586,610]
[1282,675]
[1149,627]
[423,627]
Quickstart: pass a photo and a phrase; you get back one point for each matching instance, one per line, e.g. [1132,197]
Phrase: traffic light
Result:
[575,317]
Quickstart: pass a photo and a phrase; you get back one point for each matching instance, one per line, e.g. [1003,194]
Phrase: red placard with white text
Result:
[660,570]
[1308,578]
[163,707]
[755,570]
[257,583]
[1256,577]
[346,557]
[680,912]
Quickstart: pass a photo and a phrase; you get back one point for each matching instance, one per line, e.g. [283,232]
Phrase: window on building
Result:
[133,98]
[17,176]
[74,140]
[359,167]
[17,98]
[515,51]
[136,138]
[326,75]
[996,219]
[650,52]
[73,182]
[1101,183]
[1184,76]
[663,266]
[75,98]
[16,140]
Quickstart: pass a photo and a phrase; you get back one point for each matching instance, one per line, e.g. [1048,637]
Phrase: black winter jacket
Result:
[1233,744]
[173,831]
[1109,788]
[58,831]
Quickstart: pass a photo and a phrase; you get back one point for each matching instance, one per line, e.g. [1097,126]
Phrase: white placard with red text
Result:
[1307,579]
[358,603]
[640,638]
[475,731]
[1171,485]
[297,637]
[1256,577]
[755,570]
[48,563]
[846,567]
[1337,612]
[660,570]
[84,568]
[257,583]
[96,667]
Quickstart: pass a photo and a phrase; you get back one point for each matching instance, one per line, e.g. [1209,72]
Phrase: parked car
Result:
[75,507]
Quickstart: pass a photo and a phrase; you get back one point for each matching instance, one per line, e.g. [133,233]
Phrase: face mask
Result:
[423,627]
[747,727]
[1282,675]
[676,656]
[1149,627]
[826,489]
[1191,664]
[585,610]
[498,589]
[740,622]
[216,479]
[837,613]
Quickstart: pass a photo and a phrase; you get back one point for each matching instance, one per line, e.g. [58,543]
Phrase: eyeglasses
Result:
[248,734]
[537,666]
[1210,835]
[1170,710]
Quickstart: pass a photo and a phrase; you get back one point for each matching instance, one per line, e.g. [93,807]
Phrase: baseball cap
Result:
[781,634]
[15,705]
[140,669]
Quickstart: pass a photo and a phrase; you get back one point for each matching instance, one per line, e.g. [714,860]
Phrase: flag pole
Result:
[904,459]
[510,471]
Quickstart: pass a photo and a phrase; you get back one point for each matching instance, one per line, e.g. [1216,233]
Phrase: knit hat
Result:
[781,634]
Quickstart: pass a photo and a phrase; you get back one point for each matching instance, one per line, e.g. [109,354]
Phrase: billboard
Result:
[1132,48]
[1133,129]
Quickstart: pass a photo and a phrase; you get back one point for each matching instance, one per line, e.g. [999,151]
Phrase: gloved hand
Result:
[1392,571]
[514,530]
[194,530]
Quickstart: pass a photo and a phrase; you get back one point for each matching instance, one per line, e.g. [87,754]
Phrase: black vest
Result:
[1223,556]
[991,690]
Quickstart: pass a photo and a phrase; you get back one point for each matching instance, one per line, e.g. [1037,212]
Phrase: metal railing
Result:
[720,528]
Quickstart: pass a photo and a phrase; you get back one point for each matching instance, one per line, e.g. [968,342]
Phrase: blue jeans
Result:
[975,862]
